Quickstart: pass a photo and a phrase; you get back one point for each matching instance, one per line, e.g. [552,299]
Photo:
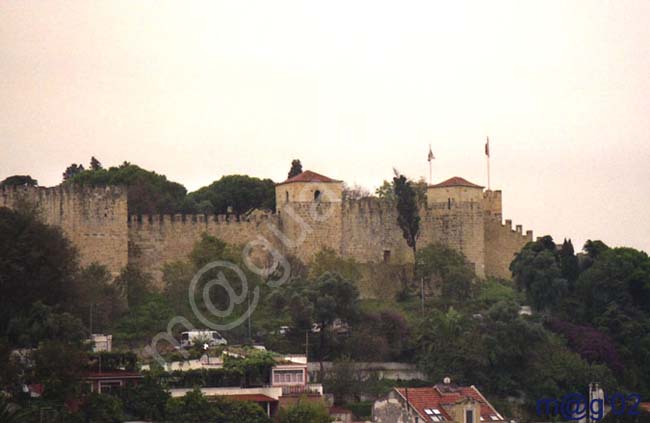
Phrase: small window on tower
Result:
[317,195]
[448,203]
[286,196]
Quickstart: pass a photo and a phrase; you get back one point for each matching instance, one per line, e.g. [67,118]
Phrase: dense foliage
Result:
[304,412]
[148,192]
[19,180]
[237,194]
[37,263]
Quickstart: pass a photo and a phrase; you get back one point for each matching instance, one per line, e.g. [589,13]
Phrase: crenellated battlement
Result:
[96,220]
[368,205]
[62,190]
[518,229]
[205,219]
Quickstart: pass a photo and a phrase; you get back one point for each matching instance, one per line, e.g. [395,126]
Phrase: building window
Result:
[469,416]
[109,386]
[448,203]
[386,256]
[286,196]
[317,195]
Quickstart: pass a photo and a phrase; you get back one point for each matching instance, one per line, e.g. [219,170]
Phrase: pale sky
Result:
[197,90]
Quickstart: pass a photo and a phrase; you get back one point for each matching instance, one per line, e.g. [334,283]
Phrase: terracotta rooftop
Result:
[456,181]
[432,400]
[308,176]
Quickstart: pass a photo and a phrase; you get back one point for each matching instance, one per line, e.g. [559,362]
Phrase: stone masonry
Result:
[310,215]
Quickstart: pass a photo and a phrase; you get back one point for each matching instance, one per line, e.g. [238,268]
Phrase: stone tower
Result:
[309,209]
[455,208]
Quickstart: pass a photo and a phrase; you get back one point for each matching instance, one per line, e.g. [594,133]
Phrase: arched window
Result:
[317,195]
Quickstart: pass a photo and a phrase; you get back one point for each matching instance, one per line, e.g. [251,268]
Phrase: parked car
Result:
[210,337]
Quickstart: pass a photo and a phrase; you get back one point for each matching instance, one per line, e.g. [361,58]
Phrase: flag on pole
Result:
[430,156]
[487,147]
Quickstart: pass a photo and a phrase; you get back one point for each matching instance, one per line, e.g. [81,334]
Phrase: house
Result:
[443,402]
[101,343]
[289,383]
[108,381]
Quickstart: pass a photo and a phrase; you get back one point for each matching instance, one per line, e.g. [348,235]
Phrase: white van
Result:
[210,337]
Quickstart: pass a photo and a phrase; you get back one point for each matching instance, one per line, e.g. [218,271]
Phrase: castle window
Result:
[317,195]
[386,256]
[286,196]
[448,203]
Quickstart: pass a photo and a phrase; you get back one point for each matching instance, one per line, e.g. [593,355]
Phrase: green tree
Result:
[239,411]
[494,290]
[146,400]
[447,269]
[141,323]
[135,284]
[408,217]
[98,298]
[19,180]
[296,168]
[447,347]
[72,170]
[40,323]
[326,260]
[569,263]
[536,270]
[386,191]
[333,298]
[176,281]
[255,367]
[304,412]
[95,164]
[102,408]
[37,263]
[148,192]
[194,407]
[554,371]
[238,194]
[58,366]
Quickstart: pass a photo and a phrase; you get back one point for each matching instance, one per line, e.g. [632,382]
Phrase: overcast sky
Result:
[197,90]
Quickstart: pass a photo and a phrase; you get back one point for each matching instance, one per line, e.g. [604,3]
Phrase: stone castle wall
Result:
[501,245]
[159,239]
[93,219]
[96,221]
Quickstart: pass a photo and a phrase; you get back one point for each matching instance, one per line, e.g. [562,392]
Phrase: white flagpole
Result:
[487,153]
[430,160]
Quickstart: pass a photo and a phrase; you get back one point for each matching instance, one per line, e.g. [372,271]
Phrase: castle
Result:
[310,214]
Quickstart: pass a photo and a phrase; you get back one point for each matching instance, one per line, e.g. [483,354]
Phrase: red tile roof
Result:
[308,176]
[437,397]
[456,181]
[251,397]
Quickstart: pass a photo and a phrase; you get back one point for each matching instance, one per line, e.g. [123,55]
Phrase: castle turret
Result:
[309,205]
[457,206]
[308,186]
